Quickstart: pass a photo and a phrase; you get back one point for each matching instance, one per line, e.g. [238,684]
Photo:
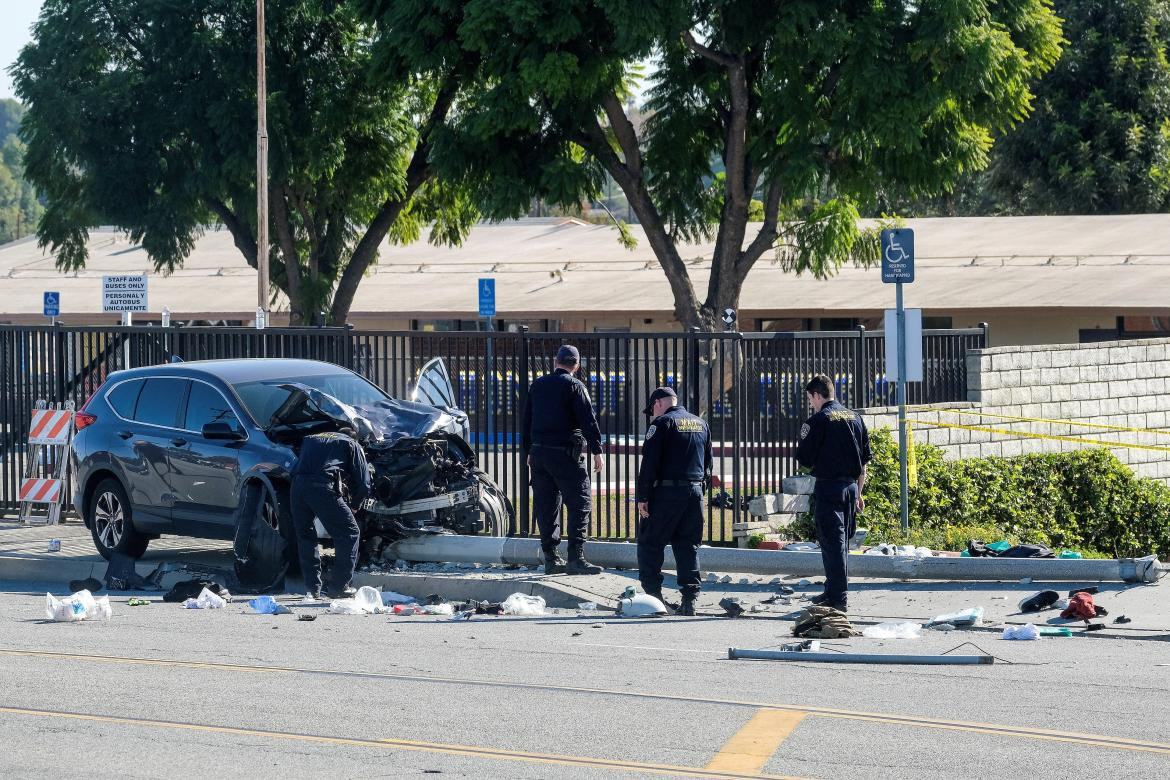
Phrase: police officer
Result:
[673,476]
[559,426]
[834,443]
[325,459]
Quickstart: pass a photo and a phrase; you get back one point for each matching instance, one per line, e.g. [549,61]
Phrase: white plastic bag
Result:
[344,607]
[893,631]
[438,609]
[1026,631]
[390,598]
[80,606]
[966,617]
[205,600]
[367,601]
[523,604]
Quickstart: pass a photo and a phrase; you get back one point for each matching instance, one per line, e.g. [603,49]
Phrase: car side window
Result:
[123,398]
[206,404]
[158,404]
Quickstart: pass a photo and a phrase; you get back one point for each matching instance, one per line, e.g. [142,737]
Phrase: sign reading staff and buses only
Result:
[125,292]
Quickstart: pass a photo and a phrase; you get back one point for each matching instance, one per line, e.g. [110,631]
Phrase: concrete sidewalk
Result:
[24,558]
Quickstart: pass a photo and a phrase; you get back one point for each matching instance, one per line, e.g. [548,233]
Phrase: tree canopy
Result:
[142,115]
[19,207]
[811,107]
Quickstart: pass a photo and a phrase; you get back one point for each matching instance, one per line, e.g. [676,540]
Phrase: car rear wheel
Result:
[110,522]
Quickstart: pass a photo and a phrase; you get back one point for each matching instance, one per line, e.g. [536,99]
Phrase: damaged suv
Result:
[204,449]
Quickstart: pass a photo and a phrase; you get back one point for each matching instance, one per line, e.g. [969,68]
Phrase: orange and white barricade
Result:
[49,436]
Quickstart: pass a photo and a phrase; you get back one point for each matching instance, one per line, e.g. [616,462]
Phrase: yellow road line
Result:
[1024,732]
[404,744]
[751,747]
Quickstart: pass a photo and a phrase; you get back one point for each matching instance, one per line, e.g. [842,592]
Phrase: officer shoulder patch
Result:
[650,431]
[804,429]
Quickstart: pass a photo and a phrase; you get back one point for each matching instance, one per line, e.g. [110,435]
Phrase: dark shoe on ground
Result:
[346,592]
[819,600]
[553,563]
[823,600]
[578,564]
[686,608]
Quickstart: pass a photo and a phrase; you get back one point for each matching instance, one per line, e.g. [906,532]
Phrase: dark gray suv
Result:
[175,449]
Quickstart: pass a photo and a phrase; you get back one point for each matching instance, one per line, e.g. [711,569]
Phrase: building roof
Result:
[544,267]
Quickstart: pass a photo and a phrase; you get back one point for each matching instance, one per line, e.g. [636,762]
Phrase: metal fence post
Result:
[694,399]
[860,372]
[59,368]
[986,334]
[525,520]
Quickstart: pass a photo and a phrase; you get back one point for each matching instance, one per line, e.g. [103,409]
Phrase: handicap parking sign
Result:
[52,304]
[897,248]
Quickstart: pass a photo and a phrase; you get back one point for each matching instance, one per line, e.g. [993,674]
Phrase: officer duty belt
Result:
[678,483]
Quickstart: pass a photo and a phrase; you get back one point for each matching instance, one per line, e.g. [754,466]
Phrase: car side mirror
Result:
[221,431]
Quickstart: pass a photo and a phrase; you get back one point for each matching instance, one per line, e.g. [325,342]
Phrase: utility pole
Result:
[261,173]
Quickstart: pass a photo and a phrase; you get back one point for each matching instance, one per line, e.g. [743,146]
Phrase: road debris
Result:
[1041,601]
[80,606]
[893,631]
[137,602]
[523,604]
[1024,632]
[640,605]
[1081,607]
[206,600]
[972,616]
[823,623]
[266,605]
[367,601]
[306,618]
[858,658]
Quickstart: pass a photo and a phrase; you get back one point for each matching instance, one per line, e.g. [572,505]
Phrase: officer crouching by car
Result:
[673,476]
[325,460]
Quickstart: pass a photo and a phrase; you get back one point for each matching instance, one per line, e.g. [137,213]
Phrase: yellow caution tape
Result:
[1102,426]
[1023,434]
[911,457]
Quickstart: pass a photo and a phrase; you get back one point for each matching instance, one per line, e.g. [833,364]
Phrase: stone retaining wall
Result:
[1116,383]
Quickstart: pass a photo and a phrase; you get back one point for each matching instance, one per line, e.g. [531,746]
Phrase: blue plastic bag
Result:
[266,605]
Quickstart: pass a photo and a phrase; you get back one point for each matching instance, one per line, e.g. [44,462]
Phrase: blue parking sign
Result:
[487,297]
[52,304]
[897,248]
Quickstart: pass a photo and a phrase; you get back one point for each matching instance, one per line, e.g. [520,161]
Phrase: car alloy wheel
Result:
[108,519]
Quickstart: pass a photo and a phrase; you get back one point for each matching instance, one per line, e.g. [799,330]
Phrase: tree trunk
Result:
[292,261]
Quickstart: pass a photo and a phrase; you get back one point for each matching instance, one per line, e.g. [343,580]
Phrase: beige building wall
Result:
[1037,328]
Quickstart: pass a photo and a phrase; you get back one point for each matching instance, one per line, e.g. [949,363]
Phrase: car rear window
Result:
[205,404]
[158,404]
[123,397]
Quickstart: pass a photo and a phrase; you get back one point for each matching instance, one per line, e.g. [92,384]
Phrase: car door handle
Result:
[179,442]
[125,434]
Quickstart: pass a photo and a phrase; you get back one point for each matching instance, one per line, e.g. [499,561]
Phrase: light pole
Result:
[261,173]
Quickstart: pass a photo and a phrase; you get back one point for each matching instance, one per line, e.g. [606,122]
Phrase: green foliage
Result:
[19,207]
[142,114]
[1085,500]
[754,541]
[1098,138]
[808,108]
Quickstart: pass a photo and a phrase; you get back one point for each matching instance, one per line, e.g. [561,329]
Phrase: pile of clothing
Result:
[824,623]
[977,549]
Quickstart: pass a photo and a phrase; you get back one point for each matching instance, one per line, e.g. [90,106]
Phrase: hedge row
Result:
[1084,500]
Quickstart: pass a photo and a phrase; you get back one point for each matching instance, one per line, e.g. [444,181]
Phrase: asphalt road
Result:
[161,691]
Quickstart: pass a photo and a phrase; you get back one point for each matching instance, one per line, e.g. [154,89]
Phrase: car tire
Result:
[110,522]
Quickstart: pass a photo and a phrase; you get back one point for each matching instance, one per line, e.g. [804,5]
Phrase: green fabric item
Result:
[999,546]
[1069,554]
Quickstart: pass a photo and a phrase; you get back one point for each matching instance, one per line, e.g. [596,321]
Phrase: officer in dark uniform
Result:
[325,460]
[559,426]
[834,443]
[673,476]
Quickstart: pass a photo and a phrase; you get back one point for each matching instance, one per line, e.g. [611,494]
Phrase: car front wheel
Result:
[109,520]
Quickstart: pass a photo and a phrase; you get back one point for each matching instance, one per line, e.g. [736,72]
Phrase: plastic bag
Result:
[390,598]
[206,600]
[967,617]
[367,601]
[266,605]
[523,604]
[1026,631]
[80,606]
[893,631]
[438,609]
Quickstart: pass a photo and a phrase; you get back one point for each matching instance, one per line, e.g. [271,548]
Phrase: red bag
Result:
[1080,607]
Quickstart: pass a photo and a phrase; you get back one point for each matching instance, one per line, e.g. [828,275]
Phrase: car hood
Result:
[382,422]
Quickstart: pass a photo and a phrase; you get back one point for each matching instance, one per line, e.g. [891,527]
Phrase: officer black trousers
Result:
[316,498]
[676,518]
[835,503]
[559,477]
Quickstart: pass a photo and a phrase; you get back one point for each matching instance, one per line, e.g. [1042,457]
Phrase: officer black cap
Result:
[568,355]
[662,392]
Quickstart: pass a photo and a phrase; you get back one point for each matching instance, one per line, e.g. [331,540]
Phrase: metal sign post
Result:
[897,247]
[486,288]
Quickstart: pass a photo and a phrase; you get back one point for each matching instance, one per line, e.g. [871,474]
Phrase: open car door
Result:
[434,385]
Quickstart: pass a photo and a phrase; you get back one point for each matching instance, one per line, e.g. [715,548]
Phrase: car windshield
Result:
[263,398]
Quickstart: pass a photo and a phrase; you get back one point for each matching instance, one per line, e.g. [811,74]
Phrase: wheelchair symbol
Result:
[895,254]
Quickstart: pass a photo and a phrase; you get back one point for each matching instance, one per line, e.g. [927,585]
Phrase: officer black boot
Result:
[687,607]
[553,563]
[578,564]
[342,592]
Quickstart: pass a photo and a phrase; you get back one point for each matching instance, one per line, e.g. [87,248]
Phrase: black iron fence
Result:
[749,386]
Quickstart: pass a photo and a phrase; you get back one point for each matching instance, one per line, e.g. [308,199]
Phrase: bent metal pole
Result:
[451,548]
